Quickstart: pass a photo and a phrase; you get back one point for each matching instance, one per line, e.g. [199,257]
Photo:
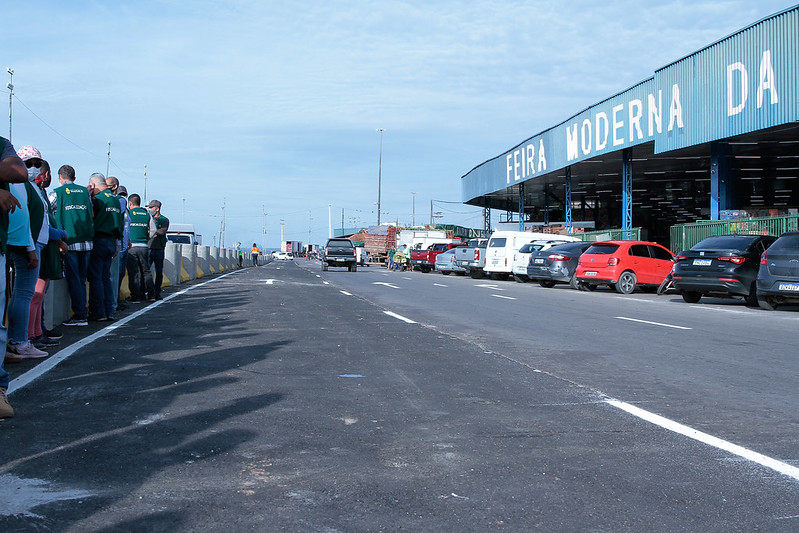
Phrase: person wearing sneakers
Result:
[73,213]
[12,170]
[142,227]
[24,228]
[108,226]
[157,247]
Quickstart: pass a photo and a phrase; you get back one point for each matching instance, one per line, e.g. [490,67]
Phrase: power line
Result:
[53,129]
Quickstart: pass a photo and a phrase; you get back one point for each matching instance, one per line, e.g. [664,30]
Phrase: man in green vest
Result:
[108,225]
[12,170]
[142,227]
[157,246]
[73,213]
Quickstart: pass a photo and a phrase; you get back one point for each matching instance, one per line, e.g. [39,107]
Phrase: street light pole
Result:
[108,163]
[380,174]
[413,219]
[10,86]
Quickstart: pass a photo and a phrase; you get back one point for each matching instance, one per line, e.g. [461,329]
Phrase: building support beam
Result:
[722,187]
[567,200]
[627,191]
[521,206]
[486,219]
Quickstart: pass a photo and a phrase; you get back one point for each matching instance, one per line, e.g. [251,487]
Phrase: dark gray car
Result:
[557,264]
[778,279]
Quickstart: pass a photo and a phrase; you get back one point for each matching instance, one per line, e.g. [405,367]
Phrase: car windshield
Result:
[499,242]
[179,239]
[529,248]
[568,247]
[602,249]
[725,242]
[788,243]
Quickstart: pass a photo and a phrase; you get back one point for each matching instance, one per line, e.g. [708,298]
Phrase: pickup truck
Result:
[339,253]
[472,257]
[425,260]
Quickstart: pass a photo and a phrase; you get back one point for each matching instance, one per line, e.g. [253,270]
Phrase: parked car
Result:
[522,258]
[557,264]
[472,257]
[445,263]
[624,265]
[284,256]
[425,260]
[503,244]
[778,278]
[722,265]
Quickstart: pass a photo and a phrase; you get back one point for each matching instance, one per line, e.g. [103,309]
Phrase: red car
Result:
[623,265]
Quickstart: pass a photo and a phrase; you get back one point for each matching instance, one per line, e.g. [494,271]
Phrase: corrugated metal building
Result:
[711,135]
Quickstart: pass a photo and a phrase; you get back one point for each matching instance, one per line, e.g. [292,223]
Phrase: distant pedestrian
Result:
[157,247]
[108,225]
[73,213]
[254,252]
[142,227]
[391,253]
[119,264]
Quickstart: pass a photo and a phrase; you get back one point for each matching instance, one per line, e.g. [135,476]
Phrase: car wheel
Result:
[583,286]
[546,283]
[769,303]
[324,267]
[445,272]
[476,274]
[354,268]
[520,279]
[691,297]
[751,298]
[573,283]
[626,283]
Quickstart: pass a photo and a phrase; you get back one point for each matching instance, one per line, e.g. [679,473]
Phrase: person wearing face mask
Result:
[157,245]
[108,226]
[28,232]
[73,213]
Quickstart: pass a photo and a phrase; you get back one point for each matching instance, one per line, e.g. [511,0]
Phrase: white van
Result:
[504,244]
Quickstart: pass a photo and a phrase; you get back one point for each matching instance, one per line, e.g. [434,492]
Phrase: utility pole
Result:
[108,163]
[431,212]
[263,210]
[329,221]
[380,174]
[145,184]
[10,86]
[282,222]
[310,225]
[222,233]
[413,219]
[183,218]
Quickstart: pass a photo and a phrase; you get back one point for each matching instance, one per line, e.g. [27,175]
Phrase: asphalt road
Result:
[282,398]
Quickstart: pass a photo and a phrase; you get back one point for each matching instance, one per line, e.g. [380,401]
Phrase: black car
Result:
[722,265]
[557,264]
[778,280]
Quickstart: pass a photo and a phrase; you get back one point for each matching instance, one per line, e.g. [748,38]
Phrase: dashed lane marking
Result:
[503,297]
[386,284]
[400,317]
[439,285]
[651,323]
[345,293]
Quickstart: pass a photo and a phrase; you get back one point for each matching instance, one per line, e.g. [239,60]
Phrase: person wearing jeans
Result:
[108,224]
[157,245]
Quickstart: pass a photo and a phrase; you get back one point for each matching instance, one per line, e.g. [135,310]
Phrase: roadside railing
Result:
[684,236]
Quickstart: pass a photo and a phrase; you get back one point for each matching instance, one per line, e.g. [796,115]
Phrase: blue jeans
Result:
[3,333]
[101,291]
[19,305]
[156,257]
[76,266]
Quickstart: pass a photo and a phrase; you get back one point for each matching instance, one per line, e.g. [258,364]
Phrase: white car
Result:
[522,257]
[284,256]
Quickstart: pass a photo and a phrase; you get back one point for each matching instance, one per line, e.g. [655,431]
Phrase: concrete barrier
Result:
[172,265]
[188,267]
[203,254]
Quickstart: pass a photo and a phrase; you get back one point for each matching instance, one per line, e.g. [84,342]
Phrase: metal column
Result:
[567,200]
[486,219]
[521,206]
[627,191]
[722,187]
[546,205]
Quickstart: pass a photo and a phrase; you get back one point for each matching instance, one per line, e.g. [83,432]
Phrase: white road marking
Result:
[326,282]
[490,286]
[400,317]
[52,361]
[272,281]
[439,285]
[346,293]
[386,284]
[503,297]
[652,323]
[768,462]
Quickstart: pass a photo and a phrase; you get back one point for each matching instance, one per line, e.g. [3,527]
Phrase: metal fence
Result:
[632,234]
[685,236]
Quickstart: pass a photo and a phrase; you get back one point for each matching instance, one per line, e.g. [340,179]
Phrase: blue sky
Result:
[273,106]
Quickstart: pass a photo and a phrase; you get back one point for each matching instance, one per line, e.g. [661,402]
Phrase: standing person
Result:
[391,253]
[142,227]
[156,246]
[408,258]
[119,263]
[254,253]
[73,213]
[24,227]
[12,170]
[107,232]
[50,264]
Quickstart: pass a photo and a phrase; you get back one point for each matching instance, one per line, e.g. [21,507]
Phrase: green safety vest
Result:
[108,219]
[139,225]
[159,241]
[74,212]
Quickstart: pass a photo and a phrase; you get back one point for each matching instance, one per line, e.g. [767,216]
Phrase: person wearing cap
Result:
[119,265]
[107,232]
[28,232]
[72,206]
[157,245]
[12,170]
[142,227]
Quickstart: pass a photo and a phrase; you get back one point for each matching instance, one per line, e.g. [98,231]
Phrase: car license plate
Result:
[703,262]
[789,286]
[590,274]
[539,261]
[495,262]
